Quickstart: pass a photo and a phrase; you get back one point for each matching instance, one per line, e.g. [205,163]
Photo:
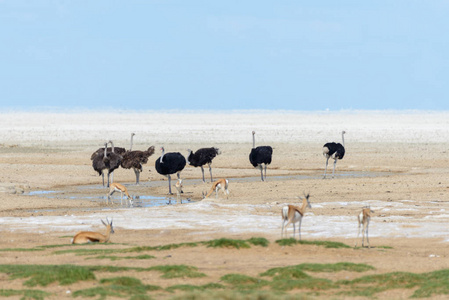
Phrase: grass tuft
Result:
[244,282]
[227,243]
[326,244]
[177,271]
[259,241]
[191,288]
[113,257]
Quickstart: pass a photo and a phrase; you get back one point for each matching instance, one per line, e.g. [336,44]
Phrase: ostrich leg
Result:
[169,185]
[333,171]
[202,171]
[325,169]
[210,171]
[261,171]
[136,171]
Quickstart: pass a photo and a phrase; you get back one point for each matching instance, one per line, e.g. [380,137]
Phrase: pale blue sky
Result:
[162,54]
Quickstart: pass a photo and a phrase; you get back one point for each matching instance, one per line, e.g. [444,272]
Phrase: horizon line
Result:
[56,109]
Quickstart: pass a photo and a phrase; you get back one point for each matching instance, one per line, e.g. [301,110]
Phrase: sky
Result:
[224,55]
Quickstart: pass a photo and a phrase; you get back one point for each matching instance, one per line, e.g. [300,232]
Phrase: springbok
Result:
[117,187]
[293,214]
[363,218]
[219,184]
[178,186]
[84,237]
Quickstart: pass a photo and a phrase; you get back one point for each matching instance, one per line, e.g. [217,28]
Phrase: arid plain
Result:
[396,162]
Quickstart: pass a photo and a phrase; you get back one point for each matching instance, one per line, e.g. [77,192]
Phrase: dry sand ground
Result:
[405,156]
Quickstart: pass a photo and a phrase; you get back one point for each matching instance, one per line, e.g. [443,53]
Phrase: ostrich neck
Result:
[112,146]
[254,141]
[343,139]
[162,155]
[188,156]
[131,143]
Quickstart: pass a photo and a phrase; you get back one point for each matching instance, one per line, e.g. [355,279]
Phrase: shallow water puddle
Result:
[97,192]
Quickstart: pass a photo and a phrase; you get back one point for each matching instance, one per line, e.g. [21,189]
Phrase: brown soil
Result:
[416,172]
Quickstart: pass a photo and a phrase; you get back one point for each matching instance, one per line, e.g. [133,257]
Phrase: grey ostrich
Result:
[107,161]
[135,159]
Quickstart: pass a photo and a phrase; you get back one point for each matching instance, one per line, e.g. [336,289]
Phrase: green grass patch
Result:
[227,243]
[118,287]
[113,257]
[294,277]
[43,275]
[343,266]
[175,246]
[244,282]
[82,252]
[384,247]
[26,294]
[108,253]
[21,249]
[426,284]
[258,241]
[326,244]
[177,271]
[191,288]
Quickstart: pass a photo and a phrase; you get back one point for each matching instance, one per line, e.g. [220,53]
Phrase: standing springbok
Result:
[219,184]
[178,186]
[117,187]
[364,217]
[293,214]
[84,237]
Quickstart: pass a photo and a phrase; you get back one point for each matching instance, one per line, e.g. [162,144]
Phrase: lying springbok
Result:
[219,184]
[293,214]
[84,237]
[117,187]
[363,218]
[178,186]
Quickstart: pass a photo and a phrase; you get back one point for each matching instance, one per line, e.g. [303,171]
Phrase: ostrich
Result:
[260,155]
[334,151]
[201,157]
[107,161]
[170,163]
[135,159]
[100,151]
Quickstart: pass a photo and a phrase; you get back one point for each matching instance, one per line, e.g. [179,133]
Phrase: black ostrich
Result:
[170,163]
[334,151]
[201,157]
[135,159]
[260,156]
[107,161]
